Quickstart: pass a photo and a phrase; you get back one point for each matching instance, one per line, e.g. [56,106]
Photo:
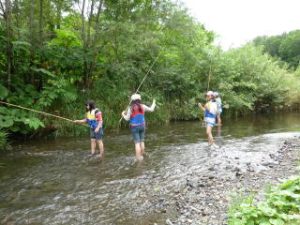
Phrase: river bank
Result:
[206,196]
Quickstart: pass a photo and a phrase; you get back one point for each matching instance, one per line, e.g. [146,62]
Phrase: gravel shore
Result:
[206,197]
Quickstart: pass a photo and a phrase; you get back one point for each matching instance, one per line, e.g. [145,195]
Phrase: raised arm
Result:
[201,106]
[126,115]
[151,108]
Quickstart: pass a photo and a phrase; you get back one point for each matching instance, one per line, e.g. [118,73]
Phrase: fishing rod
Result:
[143,80]
[37,111]
[210,70]
[209,77]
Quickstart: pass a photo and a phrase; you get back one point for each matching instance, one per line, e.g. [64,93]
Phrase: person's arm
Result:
[80,121]
[201,106]
[151,108]
[126,115]
[99,120]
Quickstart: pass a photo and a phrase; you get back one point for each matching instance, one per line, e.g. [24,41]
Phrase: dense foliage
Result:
[285,47]
[281,206]
[55,54]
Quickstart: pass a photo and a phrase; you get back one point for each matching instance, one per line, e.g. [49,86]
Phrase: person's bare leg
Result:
[101,148]
[142,148]
[93,146]
[209,135]
[219,120]
[138,153]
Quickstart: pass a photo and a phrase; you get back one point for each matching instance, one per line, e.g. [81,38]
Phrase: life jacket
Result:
[210,113]
[91,118]
[137,117]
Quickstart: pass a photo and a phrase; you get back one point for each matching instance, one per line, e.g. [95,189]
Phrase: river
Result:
[55,182]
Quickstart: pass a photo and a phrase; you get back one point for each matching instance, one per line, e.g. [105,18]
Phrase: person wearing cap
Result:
[210,113]
[219,107]
[136,117]
[95,122]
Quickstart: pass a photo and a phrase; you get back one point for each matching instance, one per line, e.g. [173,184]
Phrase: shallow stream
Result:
[55,182]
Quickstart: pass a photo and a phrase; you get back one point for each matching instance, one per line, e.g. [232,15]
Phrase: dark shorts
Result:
[98,135]
[138,134]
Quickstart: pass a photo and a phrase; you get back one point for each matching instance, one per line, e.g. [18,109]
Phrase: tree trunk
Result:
[31,15]
[89,43]
[58,13]
[83,22]
[83,37]
[41,22]
[9,33]
[17,18]
[31,38]
[90,24]
[96,37]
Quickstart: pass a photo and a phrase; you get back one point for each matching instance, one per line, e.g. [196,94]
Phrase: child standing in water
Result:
[94,120]
[210,113]
[219,107]
[136,117]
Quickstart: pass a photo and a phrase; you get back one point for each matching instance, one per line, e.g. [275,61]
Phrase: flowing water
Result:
[55,182]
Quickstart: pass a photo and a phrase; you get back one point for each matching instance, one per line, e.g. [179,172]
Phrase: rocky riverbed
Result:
[206,196]
[180,183]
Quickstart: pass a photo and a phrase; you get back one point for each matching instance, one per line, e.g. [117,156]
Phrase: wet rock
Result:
[238,174]
[265,164]
[228,167]
[163,210]
[189,221]
[272,156]
[211,177]
[211,168]
[168,222]
[251,169]
[189,184]
[201,185]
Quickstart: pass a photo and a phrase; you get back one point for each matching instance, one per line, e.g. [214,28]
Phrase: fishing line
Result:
[140,85]
[209,76]
[37,111]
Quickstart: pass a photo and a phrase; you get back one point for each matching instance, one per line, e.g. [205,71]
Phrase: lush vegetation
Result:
[55,54]
[280,206]
[285,47]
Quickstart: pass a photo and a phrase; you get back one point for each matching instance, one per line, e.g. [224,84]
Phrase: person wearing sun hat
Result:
[136,117]
[210,113]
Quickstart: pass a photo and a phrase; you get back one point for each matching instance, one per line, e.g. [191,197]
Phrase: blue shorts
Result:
[210,122]
[138,134]
[98,135]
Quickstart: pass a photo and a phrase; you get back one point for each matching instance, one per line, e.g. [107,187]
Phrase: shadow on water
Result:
[55,182]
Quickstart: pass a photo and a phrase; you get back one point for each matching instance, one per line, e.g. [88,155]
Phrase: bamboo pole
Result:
[37,111]
[140,85]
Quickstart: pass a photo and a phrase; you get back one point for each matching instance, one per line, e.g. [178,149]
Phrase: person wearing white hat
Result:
[210,113]
[219,107]
[136,117]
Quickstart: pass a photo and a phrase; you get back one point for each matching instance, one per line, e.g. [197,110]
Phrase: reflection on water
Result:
[55,182]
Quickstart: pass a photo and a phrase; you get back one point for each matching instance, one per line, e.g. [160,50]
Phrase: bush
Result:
[281,206]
